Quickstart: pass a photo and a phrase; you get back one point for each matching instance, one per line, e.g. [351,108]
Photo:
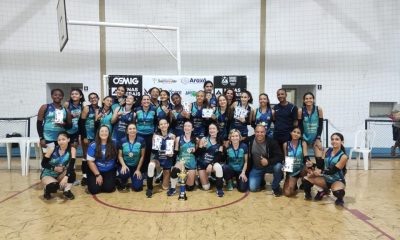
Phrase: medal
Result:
[130,154]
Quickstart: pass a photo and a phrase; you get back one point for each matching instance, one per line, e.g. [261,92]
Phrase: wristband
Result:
[97,175]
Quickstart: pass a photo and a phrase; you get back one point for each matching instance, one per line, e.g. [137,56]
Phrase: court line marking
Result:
[173,211]
[19,192]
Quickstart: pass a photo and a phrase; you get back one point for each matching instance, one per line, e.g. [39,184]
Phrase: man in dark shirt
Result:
[266,157]
[285,118]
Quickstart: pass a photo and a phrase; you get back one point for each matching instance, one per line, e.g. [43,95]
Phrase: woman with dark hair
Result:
[58,168]
[119,99]
[230,96]
[210,154]
[163,141]
[236,163]
[122,116]
[177,118]
[208,87]
[243,113]
[52,119]
[295,152]
[154,93]
[263,114]
[86,124]
[333,172]
[102,157]
[311,119]
[165,107]
[104,114]
[222,115]
[75,106]
[196,114]
[146,120]
[130,155]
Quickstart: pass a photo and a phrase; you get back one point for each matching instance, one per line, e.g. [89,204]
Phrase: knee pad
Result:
[150,169]
[189,188]
[218,170]
[72,177]
[174,172]
[339,193]
[307,185]
[206,187]
[52,187]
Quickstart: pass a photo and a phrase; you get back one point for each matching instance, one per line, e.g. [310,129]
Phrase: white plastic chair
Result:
[364,140]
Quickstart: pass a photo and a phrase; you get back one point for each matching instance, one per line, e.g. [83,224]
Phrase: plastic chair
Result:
[38,152]
[363,145]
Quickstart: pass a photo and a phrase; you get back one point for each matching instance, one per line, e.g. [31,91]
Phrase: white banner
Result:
[186,86]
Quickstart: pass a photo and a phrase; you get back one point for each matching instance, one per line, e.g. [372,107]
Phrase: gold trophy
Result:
[182,182]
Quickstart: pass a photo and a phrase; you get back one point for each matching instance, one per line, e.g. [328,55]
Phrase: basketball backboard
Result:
[62,24]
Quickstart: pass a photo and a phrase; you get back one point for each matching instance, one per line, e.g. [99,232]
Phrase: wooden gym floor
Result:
[372,211]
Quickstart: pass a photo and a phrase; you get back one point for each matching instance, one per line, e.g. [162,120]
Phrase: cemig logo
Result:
[126,80]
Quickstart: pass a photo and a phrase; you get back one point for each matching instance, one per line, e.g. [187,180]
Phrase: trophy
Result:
[182,183]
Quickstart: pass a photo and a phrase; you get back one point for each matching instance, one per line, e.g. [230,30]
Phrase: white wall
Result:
[349,47]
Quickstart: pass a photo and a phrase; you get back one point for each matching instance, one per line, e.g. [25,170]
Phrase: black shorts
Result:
[74,138]
[396,133]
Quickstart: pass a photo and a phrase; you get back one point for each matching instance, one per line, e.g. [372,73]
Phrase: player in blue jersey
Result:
[52,119]
[208,87]
[222,115]
[122,116]
[242,114]
[185,148]
[236,163]
[296,150]
[58,168]
[74,106]
[164,108]
[130,156]
[332,176]
[119,99]
[86,124]
[196,114]
[102,157]
[230,96]
[179,115]
[264,114]
[154,94]
[104,114]
[311,120]
[163,152]
[209,157]
[146,120]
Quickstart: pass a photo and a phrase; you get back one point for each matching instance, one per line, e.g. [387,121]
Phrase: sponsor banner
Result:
[238,83]
[186,86]
[133,84]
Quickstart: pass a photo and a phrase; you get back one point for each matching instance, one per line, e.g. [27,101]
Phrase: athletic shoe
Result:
[68,195]
[229,185]
[339,202]
[319,195]
[46,195]
[277,192]
[393,151]
[149,193]
[220,193]
[307,196]
[84,182]
[171,192]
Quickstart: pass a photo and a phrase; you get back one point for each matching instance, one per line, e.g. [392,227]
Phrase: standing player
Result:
[243,119]
[58,168]
[263,114]
[119,99]
[222,115]
[86,123]
[311,120]
[164,109]
[177,115]
[104,114]
[122,116]
[209,88]
[196,114]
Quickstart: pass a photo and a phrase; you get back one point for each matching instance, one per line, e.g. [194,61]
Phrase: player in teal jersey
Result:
[58,168]
[52,119]
[164,109]
[237,162]
[86,124]
[130,155]
[311,120]
[119,99]
[297,150]
[185,148]
[154,93]
[332,176]
[104,114]
[74,106]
